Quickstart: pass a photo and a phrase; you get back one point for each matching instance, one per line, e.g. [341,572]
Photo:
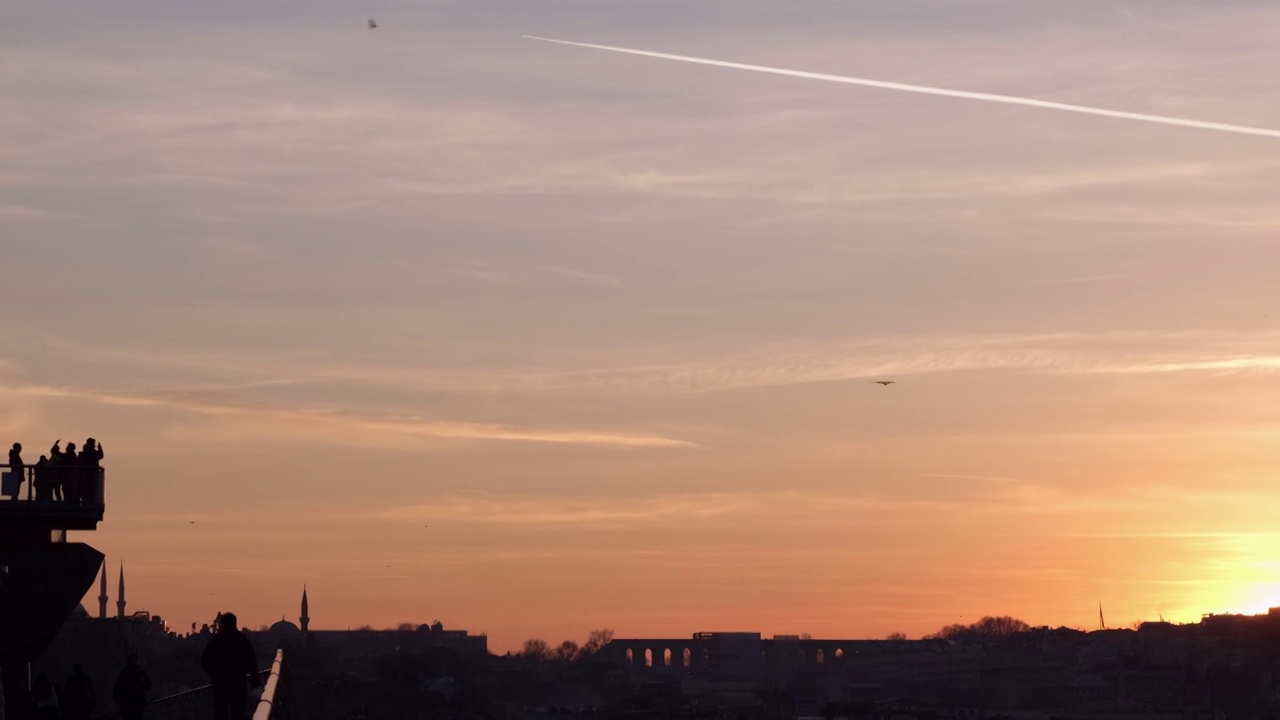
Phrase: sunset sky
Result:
[533,339]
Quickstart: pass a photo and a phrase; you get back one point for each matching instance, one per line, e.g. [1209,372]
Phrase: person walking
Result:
[78,696]
[132,686]
[232,666]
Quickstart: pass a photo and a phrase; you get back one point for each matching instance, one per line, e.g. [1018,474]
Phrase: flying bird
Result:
[884,382]
[372,23]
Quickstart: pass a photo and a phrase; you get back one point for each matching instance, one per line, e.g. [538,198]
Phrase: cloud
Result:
[25,212]
[591,277]
[800,362]
[341,426]
[775,507]
[981,478]
[769,365]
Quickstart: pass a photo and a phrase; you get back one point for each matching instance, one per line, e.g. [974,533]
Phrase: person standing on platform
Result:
[90,462]
[17,470]
[232,666]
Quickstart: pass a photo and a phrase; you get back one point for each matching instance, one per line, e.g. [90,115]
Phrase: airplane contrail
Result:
[926,90]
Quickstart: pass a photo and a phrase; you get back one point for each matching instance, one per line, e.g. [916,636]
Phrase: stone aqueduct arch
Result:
[670,655]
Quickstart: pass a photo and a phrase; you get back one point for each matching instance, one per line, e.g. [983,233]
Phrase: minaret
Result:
[102,593]
[305,620]
[120,600]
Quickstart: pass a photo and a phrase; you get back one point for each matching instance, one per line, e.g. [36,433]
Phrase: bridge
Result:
[276,703]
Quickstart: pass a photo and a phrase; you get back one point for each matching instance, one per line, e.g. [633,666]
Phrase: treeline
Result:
[568,651]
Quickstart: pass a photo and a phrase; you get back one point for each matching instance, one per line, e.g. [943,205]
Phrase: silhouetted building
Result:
[102,593]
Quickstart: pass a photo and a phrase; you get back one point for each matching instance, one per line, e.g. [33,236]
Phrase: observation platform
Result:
[39,513]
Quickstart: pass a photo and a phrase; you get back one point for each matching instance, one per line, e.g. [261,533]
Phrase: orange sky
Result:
[447,324]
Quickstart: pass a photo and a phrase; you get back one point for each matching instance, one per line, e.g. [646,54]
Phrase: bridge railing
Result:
[276,702]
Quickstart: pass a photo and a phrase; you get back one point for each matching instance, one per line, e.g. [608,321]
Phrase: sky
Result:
[532,339]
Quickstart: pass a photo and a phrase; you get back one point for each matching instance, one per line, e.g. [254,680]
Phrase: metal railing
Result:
[55,485]
[276,702]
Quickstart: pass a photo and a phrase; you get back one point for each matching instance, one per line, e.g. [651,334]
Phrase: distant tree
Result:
[567,652]
[987,629]
[536,650]
[950,632]
[596,641]
[896,636]
[999,627]
[406,627]
[365,628]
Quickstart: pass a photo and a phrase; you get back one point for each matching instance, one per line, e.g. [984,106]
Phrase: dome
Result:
[284,627]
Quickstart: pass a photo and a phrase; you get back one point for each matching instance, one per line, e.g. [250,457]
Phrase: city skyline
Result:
[446,323]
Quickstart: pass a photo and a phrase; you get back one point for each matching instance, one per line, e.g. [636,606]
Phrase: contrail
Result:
[925,90]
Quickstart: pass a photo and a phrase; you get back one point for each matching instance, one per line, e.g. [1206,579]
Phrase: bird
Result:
[372,24]
[883,382]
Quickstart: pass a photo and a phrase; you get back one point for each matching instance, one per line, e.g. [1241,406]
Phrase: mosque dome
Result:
[284,627]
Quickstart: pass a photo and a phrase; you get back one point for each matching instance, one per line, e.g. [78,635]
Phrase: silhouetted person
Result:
[132,686]
[42,481]
[78,697]
[58,472]
[44,700]
[70,474]
[17,468]
[90,461]
[232,667]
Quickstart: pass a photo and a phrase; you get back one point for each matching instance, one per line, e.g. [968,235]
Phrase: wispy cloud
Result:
[801,362]
[980,478]
[343,426]
[590,277]
[769,365]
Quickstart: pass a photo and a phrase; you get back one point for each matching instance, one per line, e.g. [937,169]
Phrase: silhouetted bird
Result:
[372,24]
[883,382]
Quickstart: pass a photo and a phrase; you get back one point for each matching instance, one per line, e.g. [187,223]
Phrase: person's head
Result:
[17,447]
[88,444]
[71,447]
[132,660]
[227,622]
